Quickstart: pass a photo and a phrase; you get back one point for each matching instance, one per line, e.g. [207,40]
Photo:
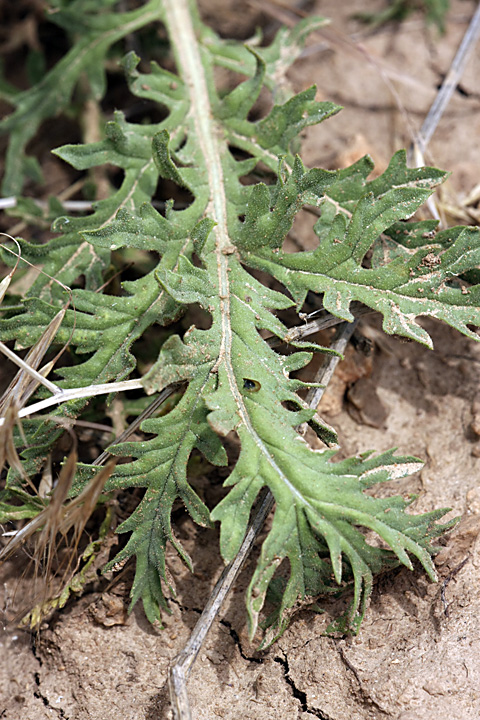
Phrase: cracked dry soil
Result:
[416,657]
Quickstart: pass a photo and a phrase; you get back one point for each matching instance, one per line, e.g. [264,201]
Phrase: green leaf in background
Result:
[96,30]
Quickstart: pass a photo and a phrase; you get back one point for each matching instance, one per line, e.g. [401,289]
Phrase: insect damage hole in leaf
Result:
[251,385]
[223,253]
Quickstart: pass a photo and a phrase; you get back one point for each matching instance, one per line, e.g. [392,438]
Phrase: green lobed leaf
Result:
[161,468]
[236,383]
[53,92]
[411,284]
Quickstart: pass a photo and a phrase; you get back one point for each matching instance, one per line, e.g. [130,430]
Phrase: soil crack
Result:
[38,692]
[234,635]
[299,694]
[366,695]
[231,630]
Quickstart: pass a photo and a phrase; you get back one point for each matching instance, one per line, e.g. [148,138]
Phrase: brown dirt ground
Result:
[416,656]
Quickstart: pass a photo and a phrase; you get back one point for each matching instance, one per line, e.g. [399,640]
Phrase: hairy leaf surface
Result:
[207,255]
[96,32]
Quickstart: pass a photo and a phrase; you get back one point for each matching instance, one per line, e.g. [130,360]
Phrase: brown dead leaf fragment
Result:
[109,610]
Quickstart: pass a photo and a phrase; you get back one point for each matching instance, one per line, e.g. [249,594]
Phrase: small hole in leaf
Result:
[367,259]
[251,385]
[181,142]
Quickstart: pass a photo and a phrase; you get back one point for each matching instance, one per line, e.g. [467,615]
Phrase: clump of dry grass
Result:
[55,533]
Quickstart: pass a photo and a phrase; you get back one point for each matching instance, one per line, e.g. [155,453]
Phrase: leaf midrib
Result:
[190,66]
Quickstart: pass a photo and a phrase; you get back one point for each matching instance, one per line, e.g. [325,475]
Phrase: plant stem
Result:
[77,393]
[183,663]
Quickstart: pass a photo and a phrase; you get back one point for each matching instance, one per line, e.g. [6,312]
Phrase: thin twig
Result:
[29,370]
[325,373]
[326,320]
[77,393]
[62,197]
[450,83]
[182,665]
[71,205]
[148,412]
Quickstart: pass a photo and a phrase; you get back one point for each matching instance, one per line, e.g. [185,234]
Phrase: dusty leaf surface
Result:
[416,655]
